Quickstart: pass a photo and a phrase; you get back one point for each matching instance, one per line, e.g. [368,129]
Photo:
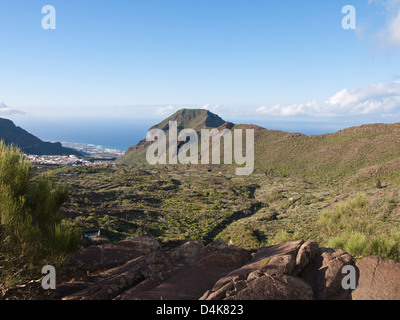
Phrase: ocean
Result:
[119,135]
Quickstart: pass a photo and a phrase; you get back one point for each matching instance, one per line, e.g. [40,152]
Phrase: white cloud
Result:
[389,35]
[296,109]
[381,99]
[7,111]
[210,107]
[373,98]
[393,31]
[389,4]
[162,111]
[168,110]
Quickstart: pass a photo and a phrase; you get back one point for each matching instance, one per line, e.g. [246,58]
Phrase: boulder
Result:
[325,275]
[187,283]
[122,278]
[291,247]
[220,294]
[219,254]
[185,253]
[262,258]
[379,279]
[284,264]
[254,275]
[103,257]
[146,285]
[155,266]
[305,256]
[277,287]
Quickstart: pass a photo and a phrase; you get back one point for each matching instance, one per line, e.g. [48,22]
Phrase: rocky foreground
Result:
[139,269]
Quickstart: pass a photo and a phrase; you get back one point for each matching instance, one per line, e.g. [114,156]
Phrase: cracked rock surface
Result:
[379,279]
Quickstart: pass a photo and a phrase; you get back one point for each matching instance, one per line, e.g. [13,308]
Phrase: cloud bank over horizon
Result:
[8,111]
[374,99]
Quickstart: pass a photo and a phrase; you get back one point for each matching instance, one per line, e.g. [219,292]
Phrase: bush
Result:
[283,236]
[351,216]
[32,233]
[386,246]
[355,227]
[241,236]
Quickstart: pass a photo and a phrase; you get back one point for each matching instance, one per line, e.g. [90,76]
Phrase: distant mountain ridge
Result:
[196,119]
[353,153]
[11,134]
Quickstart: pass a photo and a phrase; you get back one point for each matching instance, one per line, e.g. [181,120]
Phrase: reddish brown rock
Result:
[305,256]
[219,254]
[284,264]
[277,287]
[289,271]
[123,278]
[103,257]
[379,279]
[185,253]
[261,259]
[220,294]
[187,283]
[147,285]
[325,274]
[291,247]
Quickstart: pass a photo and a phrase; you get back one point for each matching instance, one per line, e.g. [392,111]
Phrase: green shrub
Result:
[356,244]
[283,236]
[386,246]
[241,236]
[356,228]
[32,233]
[349,216]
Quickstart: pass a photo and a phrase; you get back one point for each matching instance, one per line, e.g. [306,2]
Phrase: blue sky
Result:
[285,61]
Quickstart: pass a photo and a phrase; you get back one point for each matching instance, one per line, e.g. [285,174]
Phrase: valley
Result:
[178,203]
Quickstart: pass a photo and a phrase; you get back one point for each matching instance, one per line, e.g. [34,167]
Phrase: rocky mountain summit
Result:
[195,119]
[139,269]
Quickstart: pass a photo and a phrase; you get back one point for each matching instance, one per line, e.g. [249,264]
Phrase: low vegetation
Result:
[181,202]
[361,229]
[32,232]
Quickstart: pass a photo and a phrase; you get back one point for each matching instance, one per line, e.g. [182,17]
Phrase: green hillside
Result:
[340,154]
[353,153]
